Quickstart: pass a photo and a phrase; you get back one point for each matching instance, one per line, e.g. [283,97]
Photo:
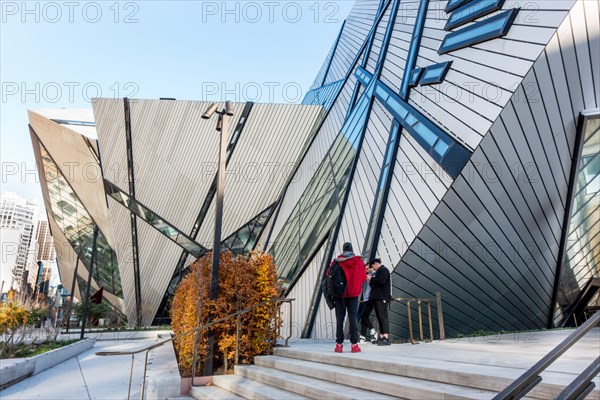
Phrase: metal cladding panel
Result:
[591,11]
[109,115]
[175,155]
[395,60]
[482,77]
[377,40]
[66,115]
[308,165]
[78,165]
[324,325]
[262,162]
[355,220]
[356,29]
[302,293]
[158,258]
[419,183]
[121,220]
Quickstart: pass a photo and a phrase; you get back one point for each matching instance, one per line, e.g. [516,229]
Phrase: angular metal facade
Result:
[484,228]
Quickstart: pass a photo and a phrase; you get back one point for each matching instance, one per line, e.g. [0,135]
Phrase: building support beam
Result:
[133,218]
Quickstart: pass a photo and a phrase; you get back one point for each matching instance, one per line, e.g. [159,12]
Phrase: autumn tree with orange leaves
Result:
[243,283]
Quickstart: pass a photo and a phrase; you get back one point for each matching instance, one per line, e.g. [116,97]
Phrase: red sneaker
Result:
[354,348]
[339,348]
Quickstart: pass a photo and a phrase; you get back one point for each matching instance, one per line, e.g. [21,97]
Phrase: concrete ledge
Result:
[162,376]
[56,356]
[15,372]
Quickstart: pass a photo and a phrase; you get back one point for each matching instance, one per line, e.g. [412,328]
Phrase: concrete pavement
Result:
[88,376]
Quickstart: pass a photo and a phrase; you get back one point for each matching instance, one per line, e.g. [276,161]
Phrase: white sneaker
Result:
[373,332]
[362,339]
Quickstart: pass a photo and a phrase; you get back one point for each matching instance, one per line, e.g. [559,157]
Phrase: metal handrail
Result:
[428,301]
[576,390]
[194,331]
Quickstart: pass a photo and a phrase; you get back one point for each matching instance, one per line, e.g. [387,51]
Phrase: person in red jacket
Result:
[354,269]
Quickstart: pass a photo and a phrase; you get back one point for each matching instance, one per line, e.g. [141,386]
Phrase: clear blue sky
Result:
[61,54]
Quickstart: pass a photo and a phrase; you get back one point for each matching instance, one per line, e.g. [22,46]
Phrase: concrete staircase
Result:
[425,371]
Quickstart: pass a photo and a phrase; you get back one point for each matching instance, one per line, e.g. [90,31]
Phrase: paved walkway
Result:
[87,376]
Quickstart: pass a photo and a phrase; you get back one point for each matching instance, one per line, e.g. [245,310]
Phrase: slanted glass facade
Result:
[581,261]
[78,227]
[319,206]
[243,241]
[154,220]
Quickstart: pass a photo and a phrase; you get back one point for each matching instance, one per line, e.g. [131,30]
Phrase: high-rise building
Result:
[44,242]
[19,213]
[458,141]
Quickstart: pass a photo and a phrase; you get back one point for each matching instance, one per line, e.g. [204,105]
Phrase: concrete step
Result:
[252,389]
[479,376]
[212,393]
[376,382]
[311,388]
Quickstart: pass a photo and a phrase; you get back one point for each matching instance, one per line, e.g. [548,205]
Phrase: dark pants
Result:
[342,305]
[365,318]
[381,311]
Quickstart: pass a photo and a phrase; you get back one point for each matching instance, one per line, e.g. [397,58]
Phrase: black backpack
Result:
[336,280]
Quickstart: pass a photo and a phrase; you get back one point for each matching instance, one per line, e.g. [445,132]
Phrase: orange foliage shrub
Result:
[243,282]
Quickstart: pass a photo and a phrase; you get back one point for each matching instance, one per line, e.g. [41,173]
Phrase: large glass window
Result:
[78,227]
[244,240]
[454,4]
[471,11]
[581,260]
[435,73]
[446,151]
[490,28]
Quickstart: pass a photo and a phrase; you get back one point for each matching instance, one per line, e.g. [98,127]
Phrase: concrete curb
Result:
[20,370]
[162,377]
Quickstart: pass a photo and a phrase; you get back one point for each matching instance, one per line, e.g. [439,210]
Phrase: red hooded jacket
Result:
[355,271]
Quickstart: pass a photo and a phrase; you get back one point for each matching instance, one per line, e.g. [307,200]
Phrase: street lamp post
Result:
[214,277]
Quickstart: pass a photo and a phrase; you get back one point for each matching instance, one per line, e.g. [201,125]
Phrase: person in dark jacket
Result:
[354,269]
[380,297]
[364,312]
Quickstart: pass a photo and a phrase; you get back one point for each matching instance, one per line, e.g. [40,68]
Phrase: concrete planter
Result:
[19,370]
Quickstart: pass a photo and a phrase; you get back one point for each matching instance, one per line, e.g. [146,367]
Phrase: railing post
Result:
[145,370]
[438,302]
[430,323]
[130,376]
[410,329]
[194,356]
[237,339]
[420,321]
[290,325]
